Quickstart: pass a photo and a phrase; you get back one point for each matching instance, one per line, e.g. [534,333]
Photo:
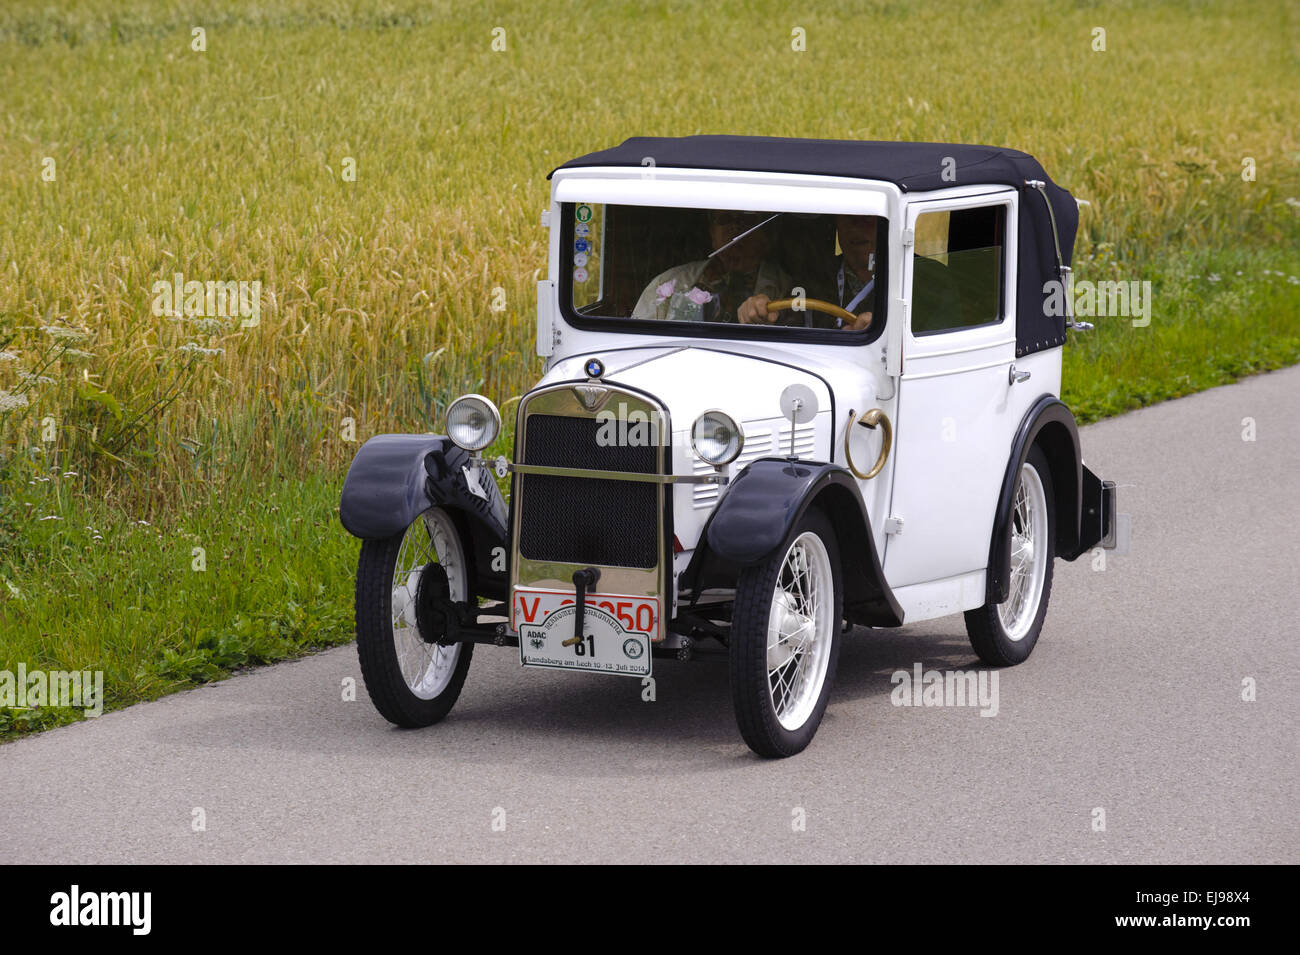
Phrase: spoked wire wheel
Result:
[1004,634]
[1030,551]
[798,631]
[785,641]
[412,680]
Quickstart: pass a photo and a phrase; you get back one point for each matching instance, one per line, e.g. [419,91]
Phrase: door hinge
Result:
[546,218]
[909,238]
[894,525]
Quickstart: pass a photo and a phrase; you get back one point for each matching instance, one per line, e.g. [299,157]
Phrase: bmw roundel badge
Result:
[594,368]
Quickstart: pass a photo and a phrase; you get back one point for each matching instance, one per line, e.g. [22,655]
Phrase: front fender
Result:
[757,517]
[396,477]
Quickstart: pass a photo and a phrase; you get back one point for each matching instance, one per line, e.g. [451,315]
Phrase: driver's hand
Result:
[753,311]
[863,321]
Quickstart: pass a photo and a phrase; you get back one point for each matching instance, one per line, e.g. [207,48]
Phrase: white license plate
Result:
[616,631]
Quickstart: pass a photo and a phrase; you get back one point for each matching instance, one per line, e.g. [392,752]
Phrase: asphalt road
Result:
[1132,704]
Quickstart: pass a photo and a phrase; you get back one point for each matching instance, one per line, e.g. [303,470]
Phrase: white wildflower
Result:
[11,402]
[197,349]
[205,326]
[8,356]
[1214,277]
[36,379]
[62,332]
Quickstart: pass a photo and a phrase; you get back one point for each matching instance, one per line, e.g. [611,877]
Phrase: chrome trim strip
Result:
[957,371]
[619,475]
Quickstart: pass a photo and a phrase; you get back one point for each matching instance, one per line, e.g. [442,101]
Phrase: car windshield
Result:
[756,270]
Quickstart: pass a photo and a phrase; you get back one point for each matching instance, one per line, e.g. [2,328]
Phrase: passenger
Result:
[713,289]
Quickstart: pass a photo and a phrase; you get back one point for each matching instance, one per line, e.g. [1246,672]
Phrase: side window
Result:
[957,274]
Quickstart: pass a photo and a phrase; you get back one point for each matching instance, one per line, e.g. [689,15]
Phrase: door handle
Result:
[1014,376]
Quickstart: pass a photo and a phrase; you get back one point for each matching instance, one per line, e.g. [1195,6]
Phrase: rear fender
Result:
[1050,424]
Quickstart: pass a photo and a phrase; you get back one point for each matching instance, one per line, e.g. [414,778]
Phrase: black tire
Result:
[984,625]
[392,696]
[751,689]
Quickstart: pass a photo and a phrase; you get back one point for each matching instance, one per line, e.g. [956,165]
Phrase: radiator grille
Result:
[586,520]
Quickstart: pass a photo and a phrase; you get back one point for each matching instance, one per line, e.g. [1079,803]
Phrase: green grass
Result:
[228,164]
[122,595]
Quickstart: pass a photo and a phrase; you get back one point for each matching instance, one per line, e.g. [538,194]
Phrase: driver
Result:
[855,280]
[712,289]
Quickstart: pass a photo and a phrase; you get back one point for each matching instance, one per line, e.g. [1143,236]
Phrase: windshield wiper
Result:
[723,248]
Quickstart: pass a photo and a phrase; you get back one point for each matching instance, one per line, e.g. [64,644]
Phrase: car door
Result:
[952,430]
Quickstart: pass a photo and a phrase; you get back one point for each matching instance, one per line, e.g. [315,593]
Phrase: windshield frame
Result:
[758,334]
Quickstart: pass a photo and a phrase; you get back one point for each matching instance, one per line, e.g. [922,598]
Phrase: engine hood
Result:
[690,380]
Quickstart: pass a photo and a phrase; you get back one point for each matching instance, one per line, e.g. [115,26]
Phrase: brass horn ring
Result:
[871,419]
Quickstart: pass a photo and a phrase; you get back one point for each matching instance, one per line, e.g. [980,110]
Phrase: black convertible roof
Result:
[910,166]
[913,167]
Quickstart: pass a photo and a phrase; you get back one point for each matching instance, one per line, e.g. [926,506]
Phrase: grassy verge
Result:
[99,589]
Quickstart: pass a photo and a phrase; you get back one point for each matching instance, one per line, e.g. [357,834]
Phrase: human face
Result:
[744,256]
[858,240]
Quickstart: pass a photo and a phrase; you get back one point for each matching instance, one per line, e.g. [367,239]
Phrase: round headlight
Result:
[716,438]
[473,422]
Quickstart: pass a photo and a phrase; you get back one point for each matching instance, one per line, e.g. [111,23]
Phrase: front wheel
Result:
[785,634]
[1004,634]
[412,680]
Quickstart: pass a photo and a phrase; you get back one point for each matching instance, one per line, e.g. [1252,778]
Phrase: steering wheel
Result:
[817,305]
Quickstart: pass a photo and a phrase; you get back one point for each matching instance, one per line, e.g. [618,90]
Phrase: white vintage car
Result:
[790,386]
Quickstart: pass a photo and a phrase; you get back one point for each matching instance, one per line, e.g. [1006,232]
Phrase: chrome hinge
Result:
[546,218]
[909,238]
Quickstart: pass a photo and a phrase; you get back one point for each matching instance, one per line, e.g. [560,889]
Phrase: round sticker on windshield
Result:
[582,245]
[582,229]
[584,213]
[579,275]
[580,259]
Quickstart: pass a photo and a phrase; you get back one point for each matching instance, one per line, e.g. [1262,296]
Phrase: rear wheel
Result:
[784,646]
[412,680]
[1005,633]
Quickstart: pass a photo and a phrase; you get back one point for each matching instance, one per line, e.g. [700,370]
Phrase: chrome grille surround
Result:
[563,401]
